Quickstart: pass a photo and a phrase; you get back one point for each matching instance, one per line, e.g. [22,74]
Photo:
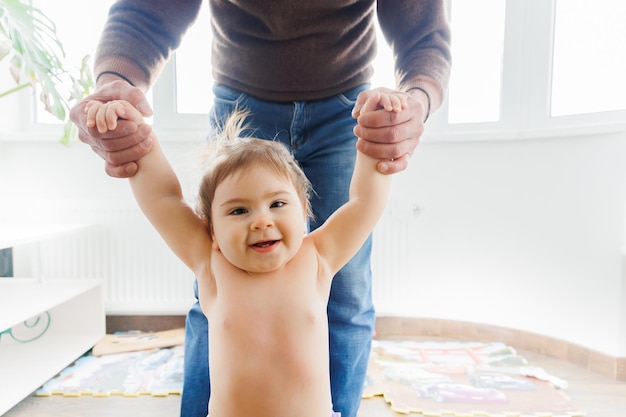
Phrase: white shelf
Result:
[41,296]
[45,325]
[76,313]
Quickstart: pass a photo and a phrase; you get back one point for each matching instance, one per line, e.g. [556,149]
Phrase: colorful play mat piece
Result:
[156,372]
[463,379]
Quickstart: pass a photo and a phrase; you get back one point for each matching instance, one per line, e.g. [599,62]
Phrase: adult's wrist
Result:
[107,77]
[428,100]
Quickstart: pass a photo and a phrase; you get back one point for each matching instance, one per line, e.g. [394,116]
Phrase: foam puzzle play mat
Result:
[435,379]
[463,379]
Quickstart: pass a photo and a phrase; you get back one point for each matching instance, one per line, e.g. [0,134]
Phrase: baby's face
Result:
[258,220]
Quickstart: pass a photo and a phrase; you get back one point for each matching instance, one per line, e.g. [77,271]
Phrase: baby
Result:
[263,281]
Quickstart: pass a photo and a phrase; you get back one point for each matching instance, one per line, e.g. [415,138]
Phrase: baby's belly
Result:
[268,385]
[275,367]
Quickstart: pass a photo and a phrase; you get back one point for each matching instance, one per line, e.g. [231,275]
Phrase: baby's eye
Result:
[276,204]
[238,211]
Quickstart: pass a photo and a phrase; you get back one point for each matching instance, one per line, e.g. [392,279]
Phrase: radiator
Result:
[141,276]
[391,255]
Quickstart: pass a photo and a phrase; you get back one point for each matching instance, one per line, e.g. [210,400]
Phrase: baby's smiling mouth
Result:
[264,244]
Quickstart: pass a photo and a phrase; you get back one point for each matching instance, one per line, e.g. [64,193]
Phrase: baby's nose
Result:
[262,222]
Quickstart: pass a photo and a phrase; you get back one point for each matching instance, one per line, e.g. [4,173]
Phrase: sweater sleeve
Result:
[140,35]
[418,33]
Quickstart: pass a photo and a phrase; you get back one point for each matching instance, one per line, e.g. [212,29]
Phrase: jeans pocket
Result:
[348,98]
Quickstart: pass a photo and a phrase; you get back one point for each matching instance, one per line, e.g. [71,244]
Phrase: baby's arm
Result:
[159,194]
[344,232]
[157,190]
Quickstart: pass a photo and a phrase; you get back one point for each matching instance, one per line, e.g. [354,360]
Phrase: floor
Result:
[598,395]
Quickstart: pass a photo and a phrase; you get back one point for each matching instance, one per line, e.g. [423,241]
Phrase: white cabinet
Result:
[45,325]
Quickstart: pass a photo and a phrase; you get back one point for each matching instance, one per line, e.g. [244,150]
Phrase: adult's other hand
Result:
[390,136]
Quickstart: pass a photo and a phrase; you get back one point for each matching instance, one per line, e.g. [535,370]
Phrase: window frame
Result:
[524,104]
[526,92]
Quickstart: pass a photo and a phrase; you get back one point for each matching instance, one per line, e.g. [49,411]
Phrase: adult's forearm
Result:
[420,34]
[139,37]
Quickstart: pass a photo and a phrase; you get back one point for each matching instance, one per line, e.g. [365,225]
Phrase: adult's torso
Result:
[285,50]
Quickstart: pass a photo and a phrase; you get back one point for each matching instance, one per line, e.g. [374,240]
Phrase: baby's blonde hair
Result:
[229,152]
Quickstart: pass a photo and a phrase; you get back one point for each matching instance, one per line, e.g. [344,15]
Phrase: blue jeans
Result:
[319,133]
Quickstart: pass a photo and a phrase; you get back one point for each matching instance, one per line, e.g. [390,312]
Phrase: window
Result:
[78,26]
[477,48]
[589,60]
[193,68]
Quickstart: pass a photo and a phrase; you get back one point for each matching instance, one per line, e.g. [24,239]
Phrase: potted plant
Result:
[28,39]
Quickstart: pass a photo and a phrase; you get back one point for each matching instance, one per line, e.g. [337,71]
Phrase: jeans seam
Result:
[298,122]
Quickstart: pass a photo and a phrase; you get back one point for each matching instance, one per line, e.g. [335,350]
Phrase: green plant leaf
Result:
[29,37]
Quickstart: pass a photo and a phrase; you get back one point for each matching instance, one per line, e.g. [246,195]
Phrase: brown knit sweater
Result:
[284,50]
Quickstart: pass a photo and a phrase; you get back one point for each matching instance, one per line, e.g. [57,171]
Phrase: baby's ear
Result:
[214,244]
[209,227]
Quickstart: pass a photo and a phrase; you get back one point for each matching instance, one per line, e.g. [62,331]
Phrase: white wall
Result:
[45,182]
[524,234]
[527,234]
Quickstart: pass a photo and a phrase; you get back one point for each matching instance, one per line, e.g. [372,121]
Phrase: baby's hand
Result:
[104,116]
[395,102]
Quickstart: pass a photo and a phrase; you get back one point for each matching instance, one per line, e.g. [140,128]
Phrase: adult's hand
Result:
[389,136]
[122,147]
